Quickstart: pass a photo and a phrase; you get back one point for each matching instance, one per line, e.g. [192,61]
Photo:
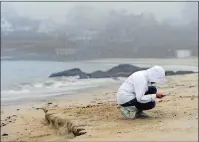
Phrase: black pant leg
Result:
[130,103]
[143,106]
[149,105]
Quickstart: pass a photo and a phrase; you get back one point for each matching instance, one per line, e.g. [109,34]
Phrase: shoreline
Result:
[187,60]
[174,118]
[61,96]
[55,95]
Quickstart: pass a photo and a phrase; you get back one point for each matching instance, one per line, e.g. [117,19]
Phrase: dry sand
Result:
[175,118]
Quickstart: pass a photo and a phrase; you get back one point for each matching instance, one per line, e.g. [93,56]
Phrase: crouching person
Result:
[137,94]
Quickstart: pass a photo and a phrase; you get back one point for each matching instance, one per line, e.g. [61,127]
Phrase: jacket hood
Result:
[156,74]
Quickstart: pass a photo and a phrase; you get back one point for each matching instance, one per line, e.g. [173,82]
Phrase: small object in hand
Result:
[160,95]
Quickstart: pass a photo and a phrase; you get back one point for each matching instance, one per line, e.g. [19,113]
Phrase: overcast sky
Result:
[38,10]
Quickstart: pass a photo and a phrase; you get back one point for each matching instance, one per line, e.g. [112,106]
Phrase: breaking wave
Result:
[52,87]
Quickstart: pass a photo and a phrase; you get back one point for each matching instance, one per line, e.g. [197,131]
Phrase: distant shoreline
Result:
[10,58]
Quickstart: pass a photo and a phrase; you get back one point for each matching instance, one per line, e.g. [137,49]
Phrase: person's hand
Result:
[160,95]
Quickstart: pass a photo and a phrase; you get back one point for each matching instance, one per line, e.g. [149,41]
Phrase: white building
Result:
[183,53]
[6,26]
[23,28]
[64,52]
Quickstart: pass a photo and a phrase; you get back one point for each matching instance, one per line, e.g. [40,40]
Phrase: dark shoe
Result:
[141,114]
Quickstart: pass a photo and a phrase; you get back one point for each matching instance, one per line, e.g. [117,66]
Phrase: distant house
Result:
[84,36]
[6,26]
[18,25]
[182,53]
[64,52]
[24,24]
[23,28]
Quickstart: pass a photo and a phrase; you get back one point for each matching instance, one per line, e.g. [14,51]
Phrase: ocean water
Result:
[28,80]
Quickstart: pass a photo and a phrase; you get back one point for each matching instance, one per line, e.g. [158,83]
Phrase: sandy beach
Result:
[175,118]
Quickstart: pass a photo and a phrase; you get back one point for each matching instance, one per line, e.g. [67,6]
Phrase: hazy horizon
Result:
[90,30]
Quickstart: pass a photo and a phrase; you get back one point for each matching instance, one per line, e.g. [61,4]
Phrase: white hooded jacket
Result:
[136,85]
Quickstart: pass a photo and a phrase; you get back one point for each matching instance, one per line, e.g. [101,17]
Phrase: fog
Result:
[89,30]
[57,10]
